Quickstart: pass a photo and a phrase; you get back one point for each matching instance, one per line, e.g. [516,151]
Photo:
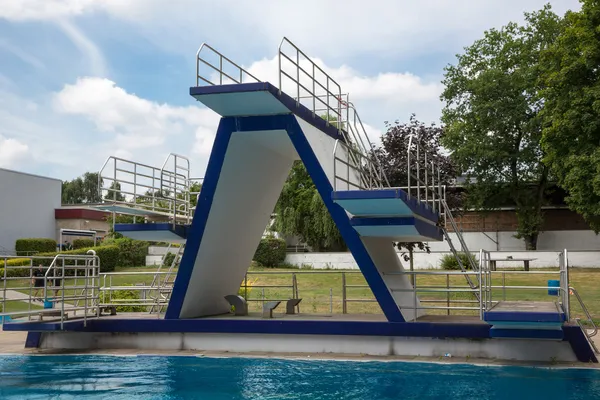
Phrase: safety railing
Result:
[312,87]
[424,182]
[437,291]
[67,281]
[221,70]
[161,191]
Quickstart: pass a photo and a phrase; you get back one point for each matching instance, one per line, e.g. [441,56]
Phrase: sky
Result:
[82,80]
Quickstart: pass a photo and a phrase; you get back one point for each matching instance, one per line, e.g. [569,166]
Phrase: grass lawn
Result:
[322,290]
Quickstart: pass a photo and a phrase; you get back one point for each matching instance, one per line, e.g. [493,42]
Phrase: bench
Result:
[268,308]
[290,306]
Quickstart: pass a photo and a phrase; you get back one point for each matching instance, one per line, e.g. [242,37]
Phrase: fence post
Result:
[448,294]
[344,305]
[331,301]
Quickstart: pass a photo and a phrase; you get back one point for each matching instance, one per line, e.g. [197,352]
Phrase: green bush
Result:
[270,252]
[109,256]
[83,243]
[34,245]
[105,297]
[450,263]
[15,272]
[169,259]
[132,253]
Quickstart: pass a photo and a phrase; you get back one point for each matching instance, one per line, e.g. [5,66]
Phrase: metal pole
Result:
[448,294]
[331,301]
[62,303]
[344,305]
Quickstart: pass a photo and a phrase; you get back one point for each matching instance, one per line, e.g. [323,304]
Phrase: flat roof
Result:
[29,174]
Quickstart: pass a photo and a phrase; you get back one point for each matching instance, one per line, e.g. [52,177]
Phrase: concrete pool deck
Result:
[12,343]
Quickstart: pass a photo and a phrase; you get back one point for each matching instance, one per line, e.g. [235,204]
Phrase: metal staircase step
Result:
[383,203]
[400,229]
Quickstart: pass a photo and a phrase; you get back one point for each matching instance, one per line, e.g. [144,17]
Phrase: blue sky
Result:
[81,80]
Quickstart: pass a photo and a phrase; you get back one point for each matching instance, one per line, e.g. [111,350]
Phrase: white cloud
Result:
[11,151]
[24,10]
[383,29]
[134,122]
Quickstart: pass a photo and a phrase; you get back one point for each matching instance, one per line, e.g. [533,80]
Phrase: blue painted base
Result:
[537,334]
[573,334]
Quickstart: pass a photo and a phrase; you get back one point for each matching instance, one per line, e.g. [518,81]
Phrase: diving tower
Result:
[264,128]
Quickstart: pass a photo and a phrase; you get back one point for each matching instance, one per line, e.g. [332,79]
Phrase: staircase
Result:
[162,284]
[413,213]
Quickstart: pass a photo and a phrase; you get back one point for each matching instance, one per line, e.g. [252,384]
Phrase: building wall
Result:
[27,204]
[101,227]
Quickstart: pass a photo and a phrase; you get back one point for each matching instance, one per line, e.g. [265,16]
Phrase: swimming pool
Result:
[159,377]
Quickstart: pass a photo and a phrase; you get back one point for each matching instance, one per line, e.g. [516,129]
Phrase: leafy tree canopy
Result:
[493,122]
[393,154]
[571,136]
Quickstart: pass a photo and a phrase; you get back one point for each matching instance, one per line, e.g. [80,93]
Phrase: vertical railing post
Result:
[298,77]
[448,294]
[433,199]
[344,305]
[408,164]
[331,301]
[314,99]
[418,164]
[426,179]
[439,180]
[220,69]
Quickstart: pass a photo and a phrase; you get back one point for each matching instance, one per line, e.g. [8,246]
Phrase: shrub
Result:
[132,253]
[270,252]
[169,259]
[34,245]
[83,243]
[125,295]
[15,272]
[109,256]
[449,262]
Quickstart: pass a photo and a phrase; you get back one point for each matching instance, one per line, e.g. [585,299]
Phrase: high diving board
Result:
[155,232]
[257,99]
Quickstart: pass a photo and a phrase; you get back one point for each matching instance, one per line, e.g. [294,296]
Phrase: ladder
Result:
[164,287]
[448,217]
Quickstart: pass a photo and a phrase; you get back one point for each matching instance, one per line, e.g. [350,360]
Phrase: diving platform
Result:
[154,232]
[264,129]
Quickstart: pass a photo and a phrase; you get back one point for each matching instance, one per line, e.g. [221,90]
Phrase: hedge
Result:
[132,253]
[34,245]
[83,243]
[270,252]
[109,256]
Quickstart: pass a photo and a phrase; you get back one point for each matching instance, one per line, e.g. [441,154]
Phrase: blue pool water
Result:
[150,377]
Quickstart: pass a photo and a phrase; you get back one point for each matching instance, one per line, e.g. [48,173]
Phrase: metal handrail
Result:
[586,312]
[143,186]
[219,69]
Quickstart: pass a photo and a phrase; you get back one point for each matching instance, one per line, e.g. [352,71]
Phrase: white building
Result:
[27,204]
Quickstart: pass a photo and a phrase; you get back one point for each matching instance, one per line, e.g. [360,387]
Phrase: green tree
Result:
[83,189]
[115,194]
[393,155]
[300,211]
[493,122]
[571,135]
